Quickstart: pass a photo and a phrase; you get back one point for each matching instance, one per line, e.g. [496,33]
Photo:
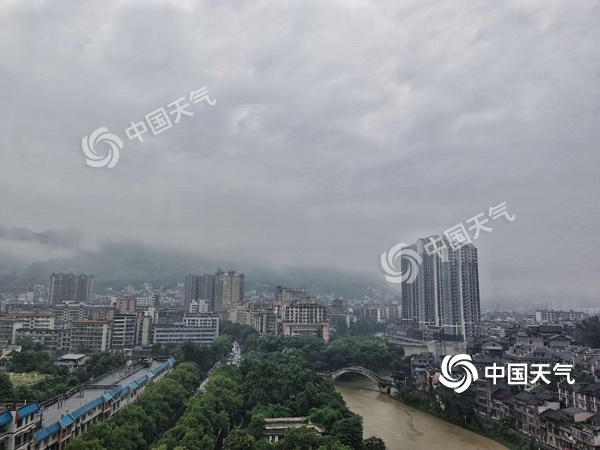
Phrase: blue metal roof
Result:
[126,390]
[117,390]
[172,361]
[27,410]
[5,417]
[47,432]
[87,408]
[133,385]
[107,395]
[66,420]
[142,380]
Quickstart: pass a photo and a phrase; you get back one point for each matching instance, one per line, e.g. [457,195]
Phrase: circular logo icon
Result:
[89,143]
[458,384]
[397,252]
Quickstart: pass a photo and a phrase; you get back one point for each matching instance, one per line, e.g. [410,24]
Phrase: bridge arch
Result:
[356,369]
[383,385]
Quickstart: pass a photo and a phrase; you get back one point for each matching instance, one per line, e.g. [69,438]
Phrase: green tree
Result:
[81,444]
[325,416]
[240,440]
[349,432]
[301,438]
[374,443]
[589,331]
[27,343]
[7,390]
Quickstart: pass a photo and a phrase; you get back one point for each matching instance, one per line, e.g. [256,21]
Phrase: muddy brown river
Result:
[403,427]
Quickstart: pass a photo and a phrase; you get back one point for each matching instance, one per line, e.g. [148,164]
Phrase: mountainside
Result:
[118,264]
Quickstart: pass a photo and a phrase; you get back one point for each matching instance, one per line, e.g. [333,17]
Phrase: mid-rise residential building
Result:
[51,339]
[89,336]
[372,312]
[144,302]
[143,330]
[199,307]
[201,321]
[551,316]
[304,318]
[201,287]
[8,330]
[17,425]
[201,329]
[126,304]
[100,312]
[287,294]
[67,287]
[178,333]
[240,314]
[33,320]
[265,322]
[69,312]
[230,290]
[123,333]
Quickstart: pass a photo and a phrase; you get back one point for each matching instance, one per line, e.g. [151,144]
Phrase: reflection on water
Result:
[402,427]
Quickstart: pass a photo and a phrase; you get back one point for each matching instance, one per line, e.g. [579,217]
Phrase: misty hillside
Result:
[117,265]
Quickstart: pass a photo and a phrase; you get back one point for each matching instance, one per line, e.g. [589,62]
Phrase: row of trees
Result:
[137,426]
[208,415]
[370,352]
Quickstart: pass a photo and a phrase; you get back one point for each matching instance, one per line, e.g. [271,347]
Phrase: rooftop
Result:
[72,356]
[78,399]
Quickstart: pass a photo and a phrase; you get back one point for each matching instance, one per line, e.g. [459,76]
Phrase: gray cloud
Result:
[340,129]
[52,238]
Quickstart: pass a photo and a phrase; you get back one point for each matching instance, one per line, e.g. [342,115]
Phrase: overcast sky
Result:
[340,129]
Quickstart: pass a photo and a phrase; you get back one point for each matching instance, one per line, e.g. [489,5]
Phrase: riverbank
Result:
[402,426]
[506,443]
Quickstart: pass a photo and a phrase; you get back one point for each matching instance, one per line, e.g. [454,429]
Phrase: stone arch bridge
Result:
[383,384]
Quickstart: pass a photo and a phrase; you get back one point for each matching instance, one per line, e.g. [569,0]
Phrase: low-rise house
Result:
[275,428]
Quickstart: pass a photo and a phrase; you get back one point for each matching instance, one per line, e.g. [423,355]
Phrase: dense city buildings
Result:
[445,293]
[438,315]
